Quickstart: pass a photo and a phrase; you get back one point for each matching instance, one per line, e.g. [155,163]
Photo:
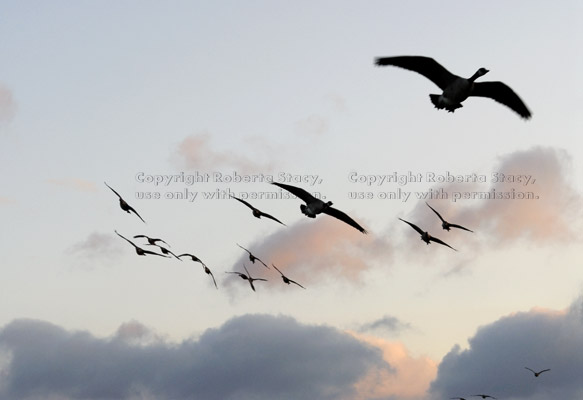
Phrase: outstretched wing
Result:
[502,94]
[244,202]
[343,217]
[425,66]
[135,212]
[271,217]
[126,239]
[154,253]
[299,192]
[419,230]
[460,227]
[296,283]
[436,240]
[117,194]
[442,220]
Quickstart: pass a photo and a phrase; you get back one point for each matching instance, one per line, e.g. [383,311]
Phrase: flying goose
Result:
[457,398]
[163,250]
[536,374]
[208,271]
[252,258]
[285,278]
[193,257]
[446,225]
[316,206]
[484,396]
[139,250]
[457,89]
[151,240]
[124,205]
[257,213]
[247,277]
[425,236]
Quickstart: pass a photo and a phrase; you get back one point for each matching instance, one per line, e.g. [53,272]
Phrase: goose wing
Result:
[530,370]
[244,202]
[544,370]
[299,192]
[135,212]
[460,227]
[271,217]
[154,253]
[425,66]
[419,230]
[343,217]
[243,248]
[117,194]
[436,240]
[208,271]
[292,281]
[126,239]
[442,220]
[501,93]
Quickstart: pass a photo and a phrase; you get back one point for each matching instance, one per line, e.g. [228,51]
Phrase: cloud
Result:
[196,153]
[74,183]
[312,251]
[312,125]
[408,379]
[7,105]
[386,323]
[249,357]
[495,360]
[97,247]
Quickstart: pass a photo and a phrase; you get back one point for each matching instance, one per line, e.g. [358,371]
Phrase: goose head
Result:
[481,72]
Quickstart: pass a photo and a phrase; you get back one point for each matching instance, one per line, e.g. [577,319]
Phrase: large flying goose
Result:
[425,236]
[456,89]
[124,205]
[316,206]
[139,250]
[446,225]
[247,277]
[257,213]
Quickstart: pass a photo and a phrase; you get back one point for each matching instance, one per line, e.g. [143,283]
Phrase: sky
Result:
[180,105]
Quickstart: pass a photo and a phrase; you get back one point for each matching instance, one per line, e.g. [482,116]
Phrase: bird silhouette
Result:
[425,236]
[164,250]
[536,374]
[252,258]
[316,206]
[457,398]
[124,205]
[247,277]
[257,213]
[446,225]
[139,250]
[208,272]
[151,240]
[457,89]
[193,258]
[484,396]
[285,278]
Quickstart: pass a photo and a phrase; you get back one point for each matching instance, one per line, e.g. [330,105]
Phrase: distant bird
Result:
[208,271]
[484,396]
[426,237]
[125,206]
[257,213]
[193,257]
[456,89]
[164,250]
[247,277]
[316,206]
[139,250]
[536,374]
[457,398]
[252,258]
[446,225]
[151,240]
[285,278]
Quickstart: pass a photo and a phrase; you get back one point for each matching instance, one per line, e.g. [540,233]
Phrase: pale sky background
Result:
[115,90]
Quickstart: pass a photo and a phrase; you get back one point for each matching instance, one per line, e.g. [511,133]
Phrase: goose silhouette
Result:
[124,205]
[139,250]
[252,258]
[536,374]
[247,277]
[257,213]
[316,206]
[446,225]
[285,278]
[457,89]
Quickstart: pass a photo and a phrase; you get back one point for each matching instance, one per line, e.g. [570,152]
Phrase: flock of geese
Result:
[455,90]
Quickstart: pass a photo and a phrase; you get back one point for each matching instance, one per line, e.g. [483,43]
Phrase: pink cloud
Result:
[196,152]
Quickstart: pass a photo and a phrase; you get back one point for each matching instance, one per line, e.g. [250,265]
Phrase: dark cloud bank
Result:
[249,357]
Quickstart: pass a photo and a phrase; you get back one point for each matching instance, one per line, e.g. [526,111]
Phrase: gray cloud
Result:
[313,125]
[387,323]
[249,357]
[495,360]
[96,248]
